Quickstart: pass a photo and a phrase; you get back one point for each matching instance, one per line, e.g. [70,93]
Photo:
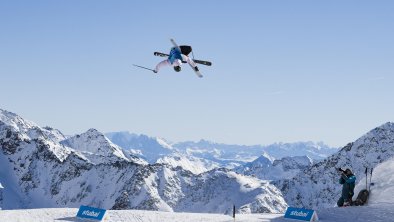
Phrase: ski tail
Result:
[160,54]
[175,45]
[196,71]
[207,63]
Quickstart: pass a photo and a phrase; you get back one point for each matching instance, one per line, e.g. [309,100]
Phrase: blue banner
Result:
[91,213]
[301,214]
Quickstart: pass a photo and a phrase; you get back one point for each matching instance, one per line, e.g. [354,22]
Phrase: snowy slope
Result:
[317,186]
[167,189]
[249,194]
[69,214]
[285,168]
[377,213]
[37,171]
[383,179]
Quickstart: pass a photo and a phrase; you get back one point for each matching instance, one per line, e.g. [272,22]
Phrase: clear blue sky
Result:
[283,71]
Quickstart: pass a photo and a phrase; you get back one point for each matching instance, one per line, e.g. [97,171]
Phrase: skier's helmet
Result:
[177,68]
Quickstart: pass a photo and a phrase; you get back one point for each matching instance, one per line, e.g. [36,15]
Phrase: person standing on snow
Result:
[175,59]
[348,181]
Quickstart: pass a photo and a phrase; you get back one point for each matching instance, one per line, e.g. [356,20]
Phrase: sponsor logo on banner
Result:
[301,214]
[91,213]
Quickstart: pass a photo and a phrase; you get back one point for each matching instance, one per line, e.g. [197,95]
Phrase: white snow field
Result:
[69,214]
[375,213]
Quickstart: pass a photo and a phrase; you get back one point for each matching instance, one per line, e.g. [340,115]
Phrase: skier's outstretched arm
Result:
[161,65]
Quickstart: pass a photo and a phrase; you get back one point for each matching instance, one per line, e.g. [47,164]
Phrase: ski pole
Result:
[370,180]
[144,67]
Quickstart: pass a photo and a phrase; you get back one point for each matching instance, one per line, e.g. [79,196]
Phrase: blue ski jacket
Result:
[348,184]
[174,55]
[348,180]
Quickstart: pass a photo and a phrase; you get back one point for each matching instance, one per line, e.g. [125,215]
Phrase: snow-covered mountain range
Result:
[317,186]
[39,168]
[225,152]
[208,155]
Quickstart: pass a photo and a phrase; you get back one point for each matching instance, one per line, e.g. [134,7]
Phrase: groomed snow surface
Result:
[69,214]
[383,213]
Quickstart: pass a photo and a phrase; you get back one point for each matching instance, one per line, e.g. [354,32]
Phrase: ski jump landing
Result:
[177,56]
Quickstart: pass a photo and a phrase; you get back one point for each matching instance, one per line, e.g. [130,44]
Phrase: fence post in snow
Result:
[234,212]
[1,196]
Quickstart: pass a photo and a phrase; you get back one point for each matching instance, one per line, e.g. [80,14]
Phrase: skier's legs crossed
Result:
[162,64]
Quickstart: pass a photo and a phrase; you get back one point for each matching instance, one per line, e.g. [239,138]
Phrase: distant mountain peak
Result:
[93,131]
[263,160]
[95,145]
[295,162]
[16,122]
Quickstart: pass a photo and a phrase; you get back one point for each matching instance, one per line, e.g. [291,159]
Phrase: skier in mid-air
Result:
[348,181]
[175,59]
[177,56]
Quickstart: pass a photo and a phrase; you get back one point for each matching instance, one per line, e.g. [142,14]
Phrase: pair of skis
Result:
[202,62]
[196,71]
